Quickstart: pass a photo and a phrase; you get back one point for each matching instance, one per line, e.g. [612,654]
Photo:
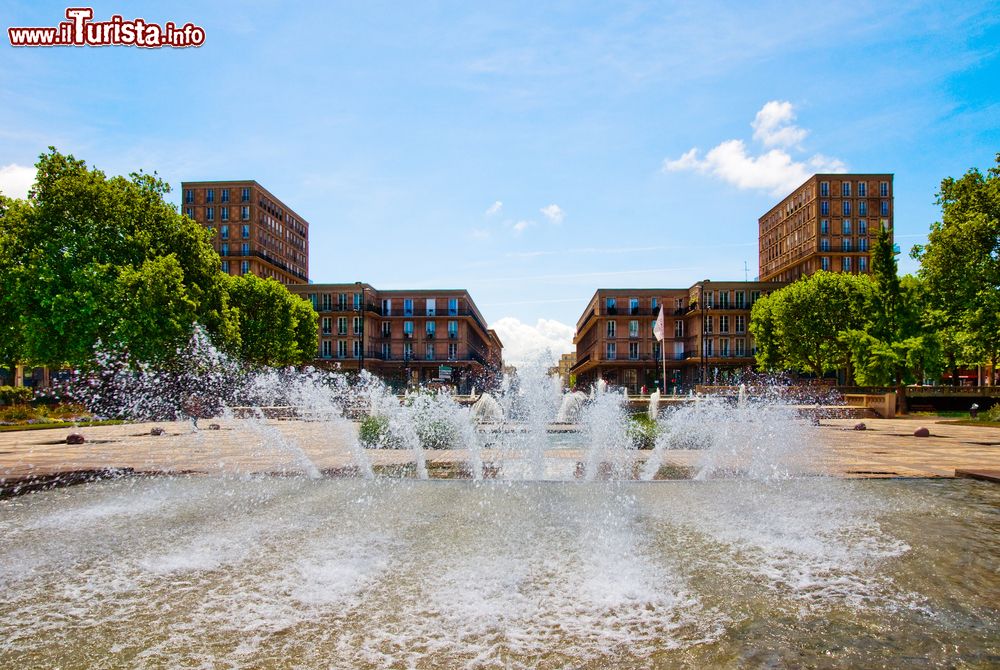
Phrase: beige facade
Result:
[828,223]
[254,231]
[406,337]
[706,335]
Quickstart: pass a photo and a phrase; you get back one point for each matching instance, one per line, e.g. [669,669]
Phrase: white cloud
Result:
[553,213]
[775,171]
[15,180]
[524,343]
[773,125]
[495,208]
[522,225]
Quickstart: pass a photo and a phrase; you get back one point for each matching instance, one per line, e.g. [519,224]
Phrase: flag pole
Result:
[660,332]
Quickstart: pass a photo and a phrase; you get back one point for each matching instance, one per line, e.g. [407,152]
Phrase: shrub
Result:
[15,395]
[374,433]
[642,430]
[992,414]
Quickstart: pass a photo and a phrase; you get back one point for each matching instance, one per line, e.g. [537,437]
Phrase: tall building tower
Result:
[828,223]
[254,231]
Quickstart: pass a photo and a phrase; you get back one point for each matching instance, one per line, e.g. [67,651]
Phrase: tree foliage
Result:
[799,326]
[276,327]
[88,259]
[960,265]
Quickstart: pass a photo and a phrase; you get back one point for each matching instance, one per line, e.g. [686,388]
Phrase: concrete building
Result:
[566,363]
[706,335]
[828,223]
[406,337]
[255,232]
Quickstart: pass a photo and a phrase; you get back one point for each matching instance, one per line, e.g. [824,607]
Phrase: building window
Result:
[407,350]
[246,232]
[845,207]
[862,189]
[407,329]
[431,328]
[723,299]
[863,244]
[224,232]
[245,195]
[708,324]
[678,328]
[754,297]
[245,249]
[189,196]
[453,329]
[210,195]
[845,189]
[863,264]
[189,212]
[678,303]
[431,307]
[386,351]
[357,302]
[654,305]
[883,189]
[709,299]
[357,325]
[846,227]
[244,267]
[611,328]
[862,226]
[407,307]
[341,325]
[224,213]
[824,244]
[724,347]
[225,195]
[741,299]
[862,208]
[885,208]
[824,207]
[430,352]
[386,329]
[633,306]
[612,351]
[633,351]
[656,351]
[824,189]
[245,212]
[452,306]
[633,328]
[724,323]
[846,244]
[845,264]
[611,305]
[741,347]
[452,351]
[709,347]
[357,348]
[327,325]
[386,307]
[210,213]
[341,348]
[885,224]
[327,302]
[327,350]
[741,323]
[225,267]
[824,227]
[224,249]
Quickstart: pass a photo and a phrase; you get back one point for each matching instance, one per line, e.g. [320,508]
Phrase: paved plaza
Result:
[886,449]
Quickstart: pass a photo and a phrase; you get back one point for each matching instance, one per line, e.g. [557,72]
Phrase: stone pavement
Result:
[886,449]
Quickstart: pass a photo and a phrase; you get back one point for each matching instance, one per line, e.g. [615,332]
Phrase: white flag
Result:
[658,328]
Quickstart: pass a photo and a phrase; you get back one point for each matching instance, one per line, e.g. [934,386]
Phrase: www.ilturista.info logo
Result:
[81,31]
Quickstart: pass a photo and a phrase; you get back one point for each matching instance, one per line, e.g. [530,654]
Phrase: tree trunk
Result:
[901,405]
[953,364]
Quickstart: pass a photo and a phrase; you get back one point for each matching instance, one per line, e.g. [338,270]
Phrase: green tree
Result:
[799,326]
[894,348]
[88,258]
[276,327]
[961,267]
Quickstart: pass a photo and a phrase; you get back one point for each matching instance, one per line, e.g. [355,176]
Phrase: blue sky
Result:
[396,128]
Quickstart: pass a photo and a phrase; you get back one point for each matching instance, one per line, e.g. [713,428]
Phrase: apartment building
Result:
[562,369]
[255,232]
[706,335]
[828,223]
[406,337]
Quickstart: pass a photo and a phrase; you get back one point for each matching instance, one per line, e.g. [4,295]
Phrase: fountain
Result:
[316,541]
